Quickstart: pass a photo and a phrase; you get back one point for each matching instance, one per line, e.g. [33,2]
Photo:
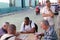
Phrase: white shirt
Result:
[46,11]
[27,27]
[7,35]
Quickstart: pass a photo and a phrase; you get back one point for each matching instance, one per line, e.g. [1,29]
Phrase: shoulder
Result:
[1,31]
[4,36]
[51,30]
[12,38]
[32,22]
[7,35]
[0,28]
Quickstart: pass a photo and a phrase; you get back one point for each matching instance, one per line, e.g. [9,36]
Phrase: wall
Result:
[27,3]
[33,3]
[4,5]
[18,3]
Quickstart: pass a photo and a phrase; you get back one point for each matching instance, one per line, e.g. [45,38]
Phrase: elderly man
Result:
[3,30]
[50,33]
[47,13]
[11,35]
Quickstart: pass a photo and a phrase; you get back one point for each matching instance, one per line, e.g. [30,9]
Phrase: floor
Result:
[18,17]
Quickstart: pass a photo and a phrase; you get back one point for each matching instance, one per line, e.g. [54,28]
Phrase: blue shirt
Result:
[50,34]
[2,31]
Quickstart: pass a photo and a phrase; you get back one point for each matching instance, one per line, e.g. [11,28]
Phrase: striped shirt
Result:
[50,34]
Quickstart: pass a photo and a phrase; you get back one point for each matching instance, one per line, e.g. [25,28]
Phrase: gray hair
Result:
[46,22]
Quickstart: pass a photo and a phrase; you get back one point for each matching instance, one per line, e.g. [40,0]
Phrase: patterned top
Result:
[50,34]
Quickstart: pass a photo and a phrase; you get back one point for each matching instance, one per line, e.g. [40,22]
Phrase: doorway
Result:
[23,3]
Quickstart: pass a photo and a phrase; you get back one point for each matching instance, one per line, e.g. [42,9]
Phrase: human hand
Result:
[17,34]
[17,39]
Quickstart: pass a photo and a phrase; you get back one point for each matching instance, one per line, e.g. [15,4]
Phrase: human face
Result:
[43,26]
[5,26]
[26,22]
[59,2]
[48,4]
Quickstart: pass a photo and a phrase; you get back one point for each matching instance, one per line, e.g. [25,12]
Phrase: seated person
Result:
[3,30]
[11,35]
[49,34]
[27,26]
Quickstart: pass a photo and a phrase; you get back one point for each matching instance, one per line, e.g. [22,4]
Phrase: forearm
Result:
[40,34]
[32,30]
[45,15]
[27,32]
[51,13]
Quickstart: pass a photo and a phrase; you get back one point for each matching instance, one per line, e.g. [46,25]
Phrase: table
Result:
[27,36]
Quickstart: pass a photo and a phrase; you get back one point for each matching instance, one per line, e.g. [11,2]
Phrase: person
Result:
[11,35]
[58,20]
[37,10]
[3,30]
[27,26]
[58,26]
[50,33]
[47,13]
[57,8]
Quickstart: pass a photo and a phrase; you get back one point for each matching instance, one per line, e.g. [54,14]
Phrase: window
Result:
[4,3]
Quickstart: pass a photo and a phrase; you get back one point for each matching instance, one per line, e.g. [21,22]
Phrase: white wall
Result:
[27,3]
[18,3]
[4,3]
[33,2]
